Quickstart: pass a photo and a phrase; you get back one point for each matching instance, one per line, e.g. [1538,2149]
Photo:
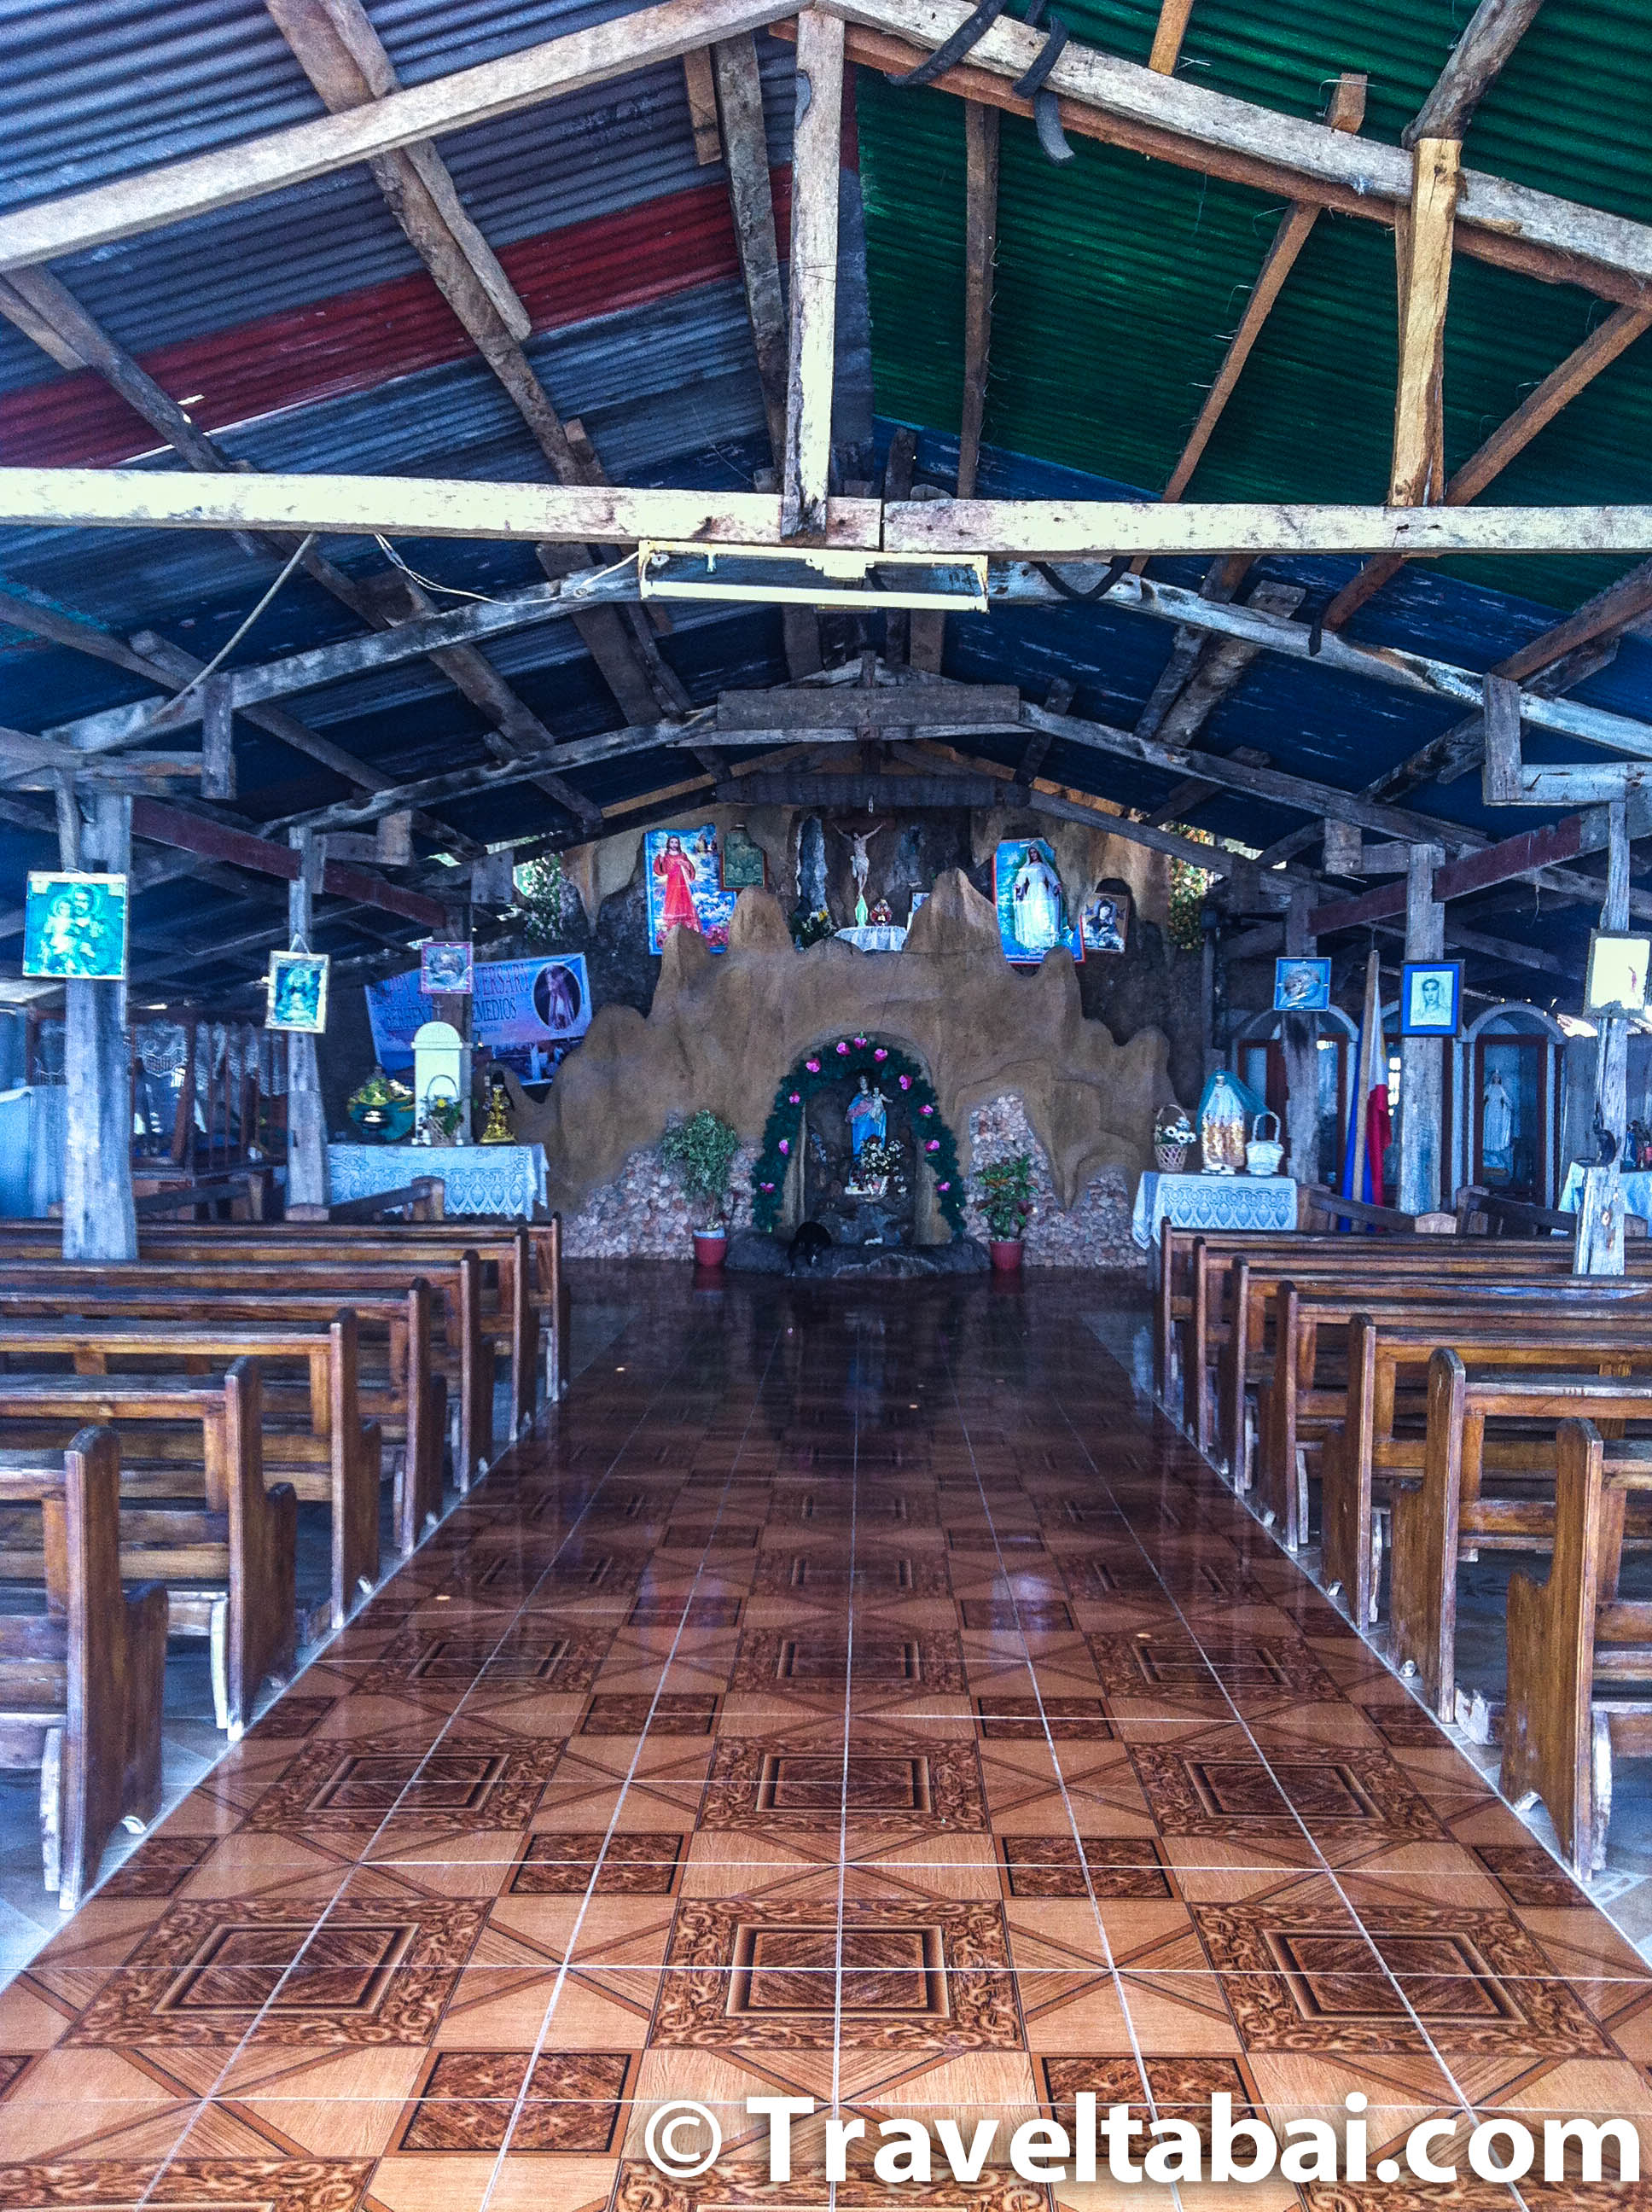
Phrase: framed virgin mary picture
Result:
[295,993]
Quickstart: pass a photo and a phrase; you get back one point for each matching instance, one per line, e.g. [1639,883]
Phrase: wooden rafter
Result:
[1613,337]
[1168,31]
[816,162]
[1494,29]
[1423,252]
[341,53]
[1178,121]
[745,143]
[700,83]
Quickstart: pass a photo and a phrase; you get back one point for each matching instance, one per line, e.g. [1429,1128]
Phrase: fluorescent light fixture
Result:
[812,576]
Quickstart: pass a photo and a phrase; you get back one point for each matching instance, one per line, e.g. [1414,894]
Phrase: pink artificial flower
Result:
[861,1044]
[933,1146]
[906,1083]
[842,1046]
[939,1185]
[813,1067]
[926,1109]
[785,1144]
[768,1186]
[797,1099]
[882,1053]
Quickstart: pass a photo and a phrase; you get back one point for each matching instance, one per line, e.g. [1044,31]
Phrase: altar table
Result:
[1212,1201]
[498,1179]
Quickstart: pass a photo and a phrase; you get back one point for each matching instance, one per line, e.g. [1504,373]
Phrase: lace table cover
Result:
[1211,1201]
[501,1179]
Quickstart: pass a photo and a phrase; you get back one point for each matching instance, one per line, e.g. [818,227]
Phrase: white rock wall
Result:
[1096,1231]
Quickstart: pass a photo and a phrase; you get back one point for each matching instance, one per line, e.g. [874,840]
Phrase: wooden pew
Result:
[332,1458]
[1366,1451]
[1580,1658]
[408,1401]
[80,1684]
[1449,1514]
[229,1570]
[465,1353]
[1277,1319]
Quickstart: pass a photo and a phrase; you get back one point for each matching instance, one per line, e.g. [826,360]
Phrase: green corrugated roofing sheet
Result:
[1119,280]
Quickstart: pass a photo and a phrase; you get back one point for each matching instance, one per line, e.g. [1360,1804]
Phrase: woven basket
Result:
[1169,1158]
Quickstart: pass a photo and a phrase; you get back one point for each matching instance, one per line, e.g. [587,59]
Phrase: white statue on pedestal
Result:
[1497,1128]
[860,866]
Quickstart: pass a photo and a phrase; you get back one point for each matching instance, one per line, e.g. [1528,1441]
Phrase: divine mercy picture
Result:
[682,872]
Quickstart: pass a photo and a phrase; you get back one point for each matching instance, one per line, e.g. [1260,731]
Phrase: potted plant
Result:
[1005,1190]
[701,1152]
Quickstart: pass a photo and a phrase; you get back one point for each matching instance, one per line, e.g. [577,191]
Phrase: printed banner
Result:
[527,1012]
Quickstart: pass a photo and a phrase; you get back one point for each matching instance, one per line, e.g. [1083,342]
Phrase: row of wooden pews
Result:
[1418,1403]
[163,1421]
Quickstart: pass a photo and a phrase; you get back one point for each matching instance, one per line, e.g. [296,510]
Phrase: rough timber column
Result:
[306,1135]
[816,158]
[98,1219]
[1299,1044]
[1421,1058]
[1600,1210]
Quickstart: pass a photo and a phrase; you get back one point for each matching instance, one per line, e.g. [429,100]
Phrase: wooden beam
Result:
[1608,614]
[854,793]
[1536,412]
[1423,244]
[1217,670]
[1514,857]
[217,741]
[1053,530]
[130,205]
[1346,113]
[700,86]
[980,135]
[1168,33]
[1494,29]
[745,141]
[1179,121]
[217,840]
[816,162]
[881,706]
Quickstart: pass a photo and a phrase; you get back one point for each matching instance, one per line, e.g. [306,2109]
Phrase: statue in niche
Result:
[861,865]
[1497,1128]
[867,1113]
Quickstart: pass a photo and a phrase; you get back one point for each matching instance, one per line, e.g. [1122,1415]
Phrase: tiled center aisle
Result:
[860,1696]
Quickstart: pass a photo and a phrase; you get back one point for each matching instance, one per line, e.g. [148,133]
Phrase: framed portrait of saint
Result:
[1617,973]
[446,970]
[295,993]
[1430,996]
[1300,986]
[1104,920]
[744,867]
[75,925]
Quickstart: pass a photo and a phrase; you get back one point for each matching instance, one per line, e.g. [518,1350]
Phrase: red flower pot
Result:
[1006,1254]
[710,1248]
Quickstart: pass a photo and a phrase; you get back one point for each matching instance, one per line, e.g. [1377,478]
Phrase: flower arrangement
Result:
[851,1057]
[1172,1134]
[701,1152]
[1005,1190]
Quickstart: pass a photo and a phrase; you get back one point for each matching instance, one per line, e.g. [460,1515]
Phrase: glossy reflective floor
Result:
[859,1696]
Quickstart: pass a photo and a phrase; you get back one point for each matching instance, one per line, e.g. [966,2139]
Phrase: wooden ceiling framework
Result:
[1437,206]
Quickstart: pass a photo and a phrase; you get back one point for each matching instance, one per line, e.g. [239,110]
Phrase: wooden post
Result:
[1421,1058]
[1422,238]
[980,133]
[1366,1073]
[217,739]
[817,160]
[98,1222]
[306,1135]
[1299,1042]
[1599,1211]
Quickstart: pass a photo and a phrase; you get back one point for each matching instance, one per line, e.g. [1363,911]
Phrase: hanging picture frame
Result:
[743,867]
[295,993]
[1104,920]
[75,925]
[446,969]
[1430,996]
[1616,982]
[1302,985]
[1032,908]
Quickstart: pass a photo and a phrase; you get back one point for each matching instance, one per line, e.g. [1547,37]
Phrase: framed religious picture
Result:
[1300,986]
[1104,920]
[75,925]
[744,868]
[295,993]
[1032,907]
[1430,998]
[1617,972]
[683,875]
[445,971]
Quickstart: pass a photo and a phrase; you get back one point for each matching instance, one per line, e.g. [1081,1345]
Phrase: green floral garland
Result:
[831,1063]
